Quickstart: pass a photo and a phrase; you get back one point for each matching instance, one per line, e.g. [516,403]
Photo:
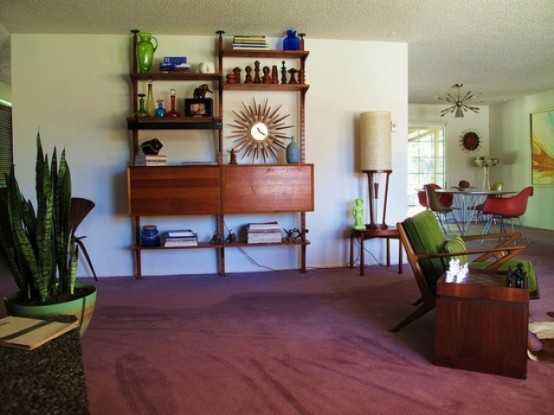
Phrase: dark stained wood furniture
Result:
[363,234]
[482,325]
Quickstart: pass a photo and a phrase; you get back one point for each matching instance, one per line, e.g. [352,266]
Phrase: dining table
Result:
[466,200]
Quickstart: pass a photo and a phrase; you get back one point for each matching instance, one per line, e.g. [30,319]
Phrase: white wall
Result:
[460,163]
[510,127]
[75,89]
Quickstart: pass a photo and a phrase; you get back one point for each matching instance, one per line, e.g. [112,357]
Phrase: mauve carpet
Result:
[290,343]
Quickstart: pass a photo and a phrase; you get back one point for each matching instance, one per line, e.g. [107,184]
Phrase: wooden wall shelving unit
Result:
[218,190]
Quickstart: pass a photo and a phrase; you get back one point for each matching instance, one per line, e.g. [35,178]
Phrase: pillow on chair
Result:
[456,244]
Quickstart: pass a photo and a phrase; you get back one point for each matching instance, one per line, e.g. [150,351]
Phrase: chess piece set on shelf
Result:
[266,75]
[516,279]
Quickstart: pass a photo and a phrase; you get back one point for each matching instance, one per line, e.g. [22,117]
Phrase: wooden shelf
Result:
[175,76]
[201,245]
[267,87]
[177,123]
[243,244]
[264,53]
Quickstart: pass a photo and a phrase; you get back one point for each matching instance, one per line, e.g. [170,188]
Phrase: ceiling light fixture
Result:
[459,105]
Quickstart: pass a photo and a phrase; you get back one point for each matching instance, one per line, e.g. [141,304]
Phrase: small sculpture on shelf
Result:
[231,237]
[200,92]
[293,235]
[232,156]
[216,239]
[358,213]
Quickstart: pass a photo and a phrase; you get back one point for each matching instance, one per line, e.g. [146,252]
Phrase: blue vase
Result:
[293,152]
[150,236]
[291,42]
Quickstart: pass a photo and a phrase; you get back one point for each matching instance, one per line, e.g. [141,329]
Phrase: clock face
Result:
[258,131]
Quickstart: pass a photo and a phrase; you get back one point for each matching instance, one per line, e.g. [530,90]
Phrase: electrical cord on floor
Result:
[357,259]
[246,255]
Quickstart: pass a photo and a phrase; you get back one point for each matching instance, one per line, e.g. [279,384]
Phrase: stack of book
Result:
[263,233]
[179,238]
[151,160]
[249,42]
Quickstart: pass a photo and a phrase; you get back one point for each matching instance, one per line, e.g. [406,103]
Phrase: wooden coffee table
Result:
[482,325]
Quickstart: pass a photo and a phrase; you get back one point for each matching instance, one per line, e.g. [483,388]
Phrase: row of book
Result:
[263,233]
[249,42]
[177,238]
[151,160]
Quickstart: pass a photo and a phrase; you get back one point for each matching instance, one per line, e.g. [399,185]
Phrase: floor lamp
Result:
[376,159]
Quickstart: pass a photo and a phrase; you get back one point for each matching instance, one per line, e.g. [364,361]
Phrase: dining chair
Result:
[439,208]
[79,209]
[496,187]
[447,199]
[507,208]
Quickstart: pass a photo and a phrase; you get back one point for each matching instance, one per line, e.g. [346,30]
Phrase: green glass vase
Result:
[146,46]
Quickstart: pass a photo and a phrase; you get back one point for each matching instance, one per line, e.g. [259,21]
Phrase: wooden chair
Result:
[429,254]
[79,209]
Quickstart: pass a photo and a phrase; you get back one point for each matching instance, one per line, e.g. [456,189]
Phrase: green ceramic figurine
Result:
[358,212]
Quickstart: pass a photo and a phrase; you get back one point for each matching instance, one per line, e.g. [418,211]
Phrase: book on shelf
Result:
[249,42]
[264,238]
[151,160]
[180,232]
[30,333]
[263,227]
[248,46]
[170,243]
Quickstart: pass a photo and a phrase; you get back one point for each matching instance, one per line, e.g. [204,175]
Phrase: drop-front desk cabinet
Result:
[218,189]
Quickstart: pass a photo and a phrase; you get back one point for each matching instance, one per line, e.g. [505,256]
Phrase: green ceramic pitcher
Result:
[146,46]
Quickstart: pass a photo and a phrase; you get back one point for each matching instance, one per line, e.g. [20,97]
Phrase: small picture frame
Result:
[195,107]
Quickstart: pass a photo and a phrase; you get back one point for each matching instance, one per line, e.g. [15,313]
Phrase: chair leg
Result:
[423,309]
[523,230]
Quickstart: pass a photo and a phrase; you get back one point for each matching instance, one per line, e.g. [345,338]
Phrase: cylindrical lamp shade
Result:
[375,141]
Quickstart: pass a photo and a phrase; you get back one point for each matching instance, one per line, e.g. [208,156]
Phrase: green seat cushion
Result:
[427,237]
[528,267]
[456,244]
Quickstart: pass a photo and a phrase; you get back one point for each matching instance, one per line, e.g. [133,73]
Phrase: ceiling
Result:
[501,48]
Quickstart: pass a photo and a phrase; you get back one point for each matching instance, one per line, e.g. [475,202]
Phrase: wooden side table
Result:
[482,325]
[363,234]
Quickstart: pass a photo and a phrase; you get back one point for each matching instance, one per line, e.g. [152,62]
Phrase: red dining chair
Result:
[445,198]
[501,208]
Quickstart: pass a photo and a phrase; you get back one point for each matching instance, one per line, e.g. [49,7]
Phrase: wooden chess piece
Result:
[248,79]
[257,79]
[237,72]
[293,73]
[230,78]
[283,73]
[233,156]
[266,79]
[274,75]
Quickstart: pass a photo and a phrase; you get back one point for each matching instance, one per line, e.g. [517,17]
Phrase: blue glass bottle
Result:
[160,111]
[291,42]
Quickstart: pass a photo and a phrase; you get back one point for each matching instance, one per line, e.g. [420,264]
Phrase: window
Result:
[426,158]
[6,142]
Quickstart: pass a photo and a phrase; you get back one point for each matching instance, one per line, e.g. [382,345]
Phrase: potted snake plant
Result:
[37,246]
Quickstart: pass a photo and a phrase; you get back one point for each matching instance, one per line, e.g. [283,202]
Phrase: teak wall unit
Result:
[218,190]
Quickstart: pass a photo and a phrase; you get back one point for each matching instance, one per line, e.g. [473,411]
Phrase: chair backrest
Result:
[497,187]
[433,201]
[79,209]
[508,207]
[422,234]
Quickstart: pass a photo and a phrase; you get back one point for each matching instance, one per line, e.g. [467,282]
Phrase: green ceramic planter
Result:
[82,308]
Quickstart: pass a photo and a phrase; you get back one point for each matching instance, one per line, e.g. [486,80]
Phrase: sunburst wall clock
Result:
[258,131]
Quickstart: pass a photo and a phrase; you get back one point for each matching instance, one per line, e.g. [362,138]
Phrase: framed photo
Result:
[542,147]
[198,107]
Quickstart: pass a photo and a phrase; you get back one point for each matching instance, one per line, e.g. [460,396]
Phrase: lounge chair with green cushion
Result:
[429,254]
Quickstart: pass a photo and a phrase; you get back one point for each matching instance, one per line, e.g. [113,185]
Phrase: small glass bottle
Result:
[291,42]
[150,106]
[141,111]
[172,112]
[293,152]
[160,111]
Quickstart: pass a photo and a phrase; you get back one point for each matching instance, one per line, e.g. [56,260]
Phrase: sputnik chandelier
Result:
[459,105]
